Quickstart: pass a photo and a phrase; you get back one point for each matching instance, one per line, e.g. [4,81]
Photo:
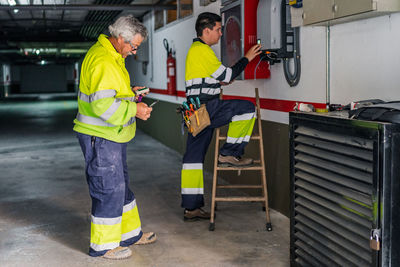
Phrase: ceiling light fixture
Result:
[12,2]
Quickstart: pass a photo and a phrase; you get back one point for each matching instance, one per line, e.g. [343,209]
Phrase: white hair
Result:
[127,27]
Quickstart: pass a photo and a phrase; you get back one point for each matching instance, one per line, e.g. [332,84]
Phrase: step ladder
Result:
[258,165]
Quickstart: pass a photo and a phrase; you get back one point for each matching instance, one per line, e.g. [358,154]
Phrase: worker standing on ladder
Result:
[105,123]
[204,76]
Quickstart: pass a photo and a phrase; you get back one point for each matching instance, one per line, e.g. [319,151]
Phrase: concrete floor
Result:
[45,205]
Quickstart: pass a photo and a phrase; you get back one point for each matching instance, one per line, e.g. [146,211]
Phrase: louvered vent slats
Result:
[333,208]
[329,176]
[335,168]
[334,147]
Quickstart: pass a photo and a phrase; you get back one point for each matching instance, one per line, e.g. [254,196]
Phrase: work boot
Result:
[234,161]
[118,253]
[147,238]
[196,214]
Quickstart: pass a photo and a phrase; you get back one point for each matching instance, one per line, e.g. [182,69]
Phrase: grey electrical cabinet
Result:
[329,12]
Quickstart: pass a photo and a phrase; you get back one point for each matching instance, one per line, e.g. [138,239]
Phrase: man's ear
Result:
[121,40]
[206,31]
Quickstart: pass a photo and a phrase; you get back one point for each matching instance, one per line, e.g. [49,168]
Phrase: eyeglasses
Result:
[134,48]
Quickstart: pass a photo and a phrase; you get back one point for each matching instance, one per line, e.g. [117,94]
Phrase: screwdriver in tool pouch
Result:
[193,103]
[195,113]
[185,105]
[198,102]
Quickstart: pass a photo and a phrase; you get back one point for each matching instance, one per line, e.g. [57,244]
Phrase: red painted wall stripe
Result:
[265,103]
[164,92]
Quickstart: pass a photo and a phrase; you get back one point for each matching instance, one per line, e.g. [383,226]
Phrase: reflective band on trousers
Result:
[102,247]
[239,140]
[192,179]
[106,221]
[129,206]
[192,166]
[192,191]
[243,117]
[131,234]
[99,122]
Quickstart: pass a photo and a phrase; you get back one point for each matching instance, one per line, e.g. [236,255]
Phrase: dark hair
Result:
[206,20]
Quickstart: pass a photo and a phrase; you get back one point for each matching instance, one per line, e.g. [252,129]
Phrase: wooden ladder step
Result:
[253,137]
[223,168]
[239,186]
[239,199]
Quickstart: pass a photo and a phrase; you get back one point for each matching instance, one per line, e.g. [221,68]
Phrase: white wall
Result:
[366,60]
[365,63]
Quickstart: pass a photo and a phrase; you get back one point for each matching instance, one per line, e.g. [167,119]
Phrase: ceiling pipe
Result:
[45,51]
[90,7]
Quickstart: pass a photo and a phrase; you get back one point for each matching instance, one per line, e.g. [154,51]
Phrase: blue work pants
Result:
[240,114]
[115,219]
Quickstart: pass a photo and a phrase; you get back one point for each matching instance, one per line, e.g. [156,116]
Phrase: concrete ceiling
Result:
[60,31]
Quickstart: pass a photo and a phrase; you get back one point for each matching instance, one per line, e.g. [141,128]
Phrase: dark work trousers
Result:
[240,114]
[115,218]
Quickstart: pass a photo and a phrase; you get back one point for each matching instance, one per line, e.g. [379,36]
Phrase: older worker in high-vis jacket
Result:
[105,122]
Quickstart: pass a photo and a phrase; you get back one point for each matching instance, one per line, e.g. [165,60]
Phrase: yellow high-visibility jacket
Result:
[204,72]
[106,106]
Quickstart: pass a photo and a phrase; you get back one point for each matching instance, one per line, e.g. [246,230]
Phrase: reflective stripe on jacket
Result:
[106,106]
[204,72]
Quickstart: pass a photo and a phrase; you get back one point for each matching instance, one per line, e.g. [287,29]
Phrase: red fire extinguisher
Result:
[171,70]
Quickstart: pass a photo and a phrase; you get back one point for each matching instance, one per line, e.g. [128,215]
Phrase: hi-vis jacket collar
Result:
[103,40]
[198,40]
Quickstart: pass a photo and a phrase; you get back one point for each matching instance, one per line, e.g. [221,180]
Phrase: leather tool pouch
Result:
[199,123]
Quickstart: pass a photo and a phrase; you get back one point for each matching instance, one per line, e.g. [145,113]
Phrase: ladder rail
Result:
[214,186]
[263,172]
[260,167]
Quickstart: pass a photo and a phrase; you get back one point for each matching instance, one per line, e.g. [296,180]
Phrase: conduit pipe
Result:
[328,67]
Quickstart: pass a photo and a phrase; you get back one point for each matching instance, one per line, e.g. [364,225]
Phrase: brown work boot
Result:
[234,161]
[118,253]
[147,238]
[196,214]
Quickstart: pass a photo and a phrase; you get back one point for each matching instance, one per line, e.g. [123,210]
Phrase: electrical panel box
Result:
[239,21]
[330,12]
[269,23]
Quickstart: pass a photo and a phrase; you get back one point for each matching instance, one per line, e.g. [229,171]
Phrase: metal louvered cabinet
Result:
[345,188]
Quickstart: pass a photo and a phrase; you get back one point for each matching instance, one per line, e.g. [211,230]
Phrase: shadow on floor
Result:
[44,217]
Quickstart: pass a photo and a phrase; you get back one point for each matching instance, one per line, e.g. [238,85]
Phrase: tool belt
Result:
[194,115]
[198,120]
